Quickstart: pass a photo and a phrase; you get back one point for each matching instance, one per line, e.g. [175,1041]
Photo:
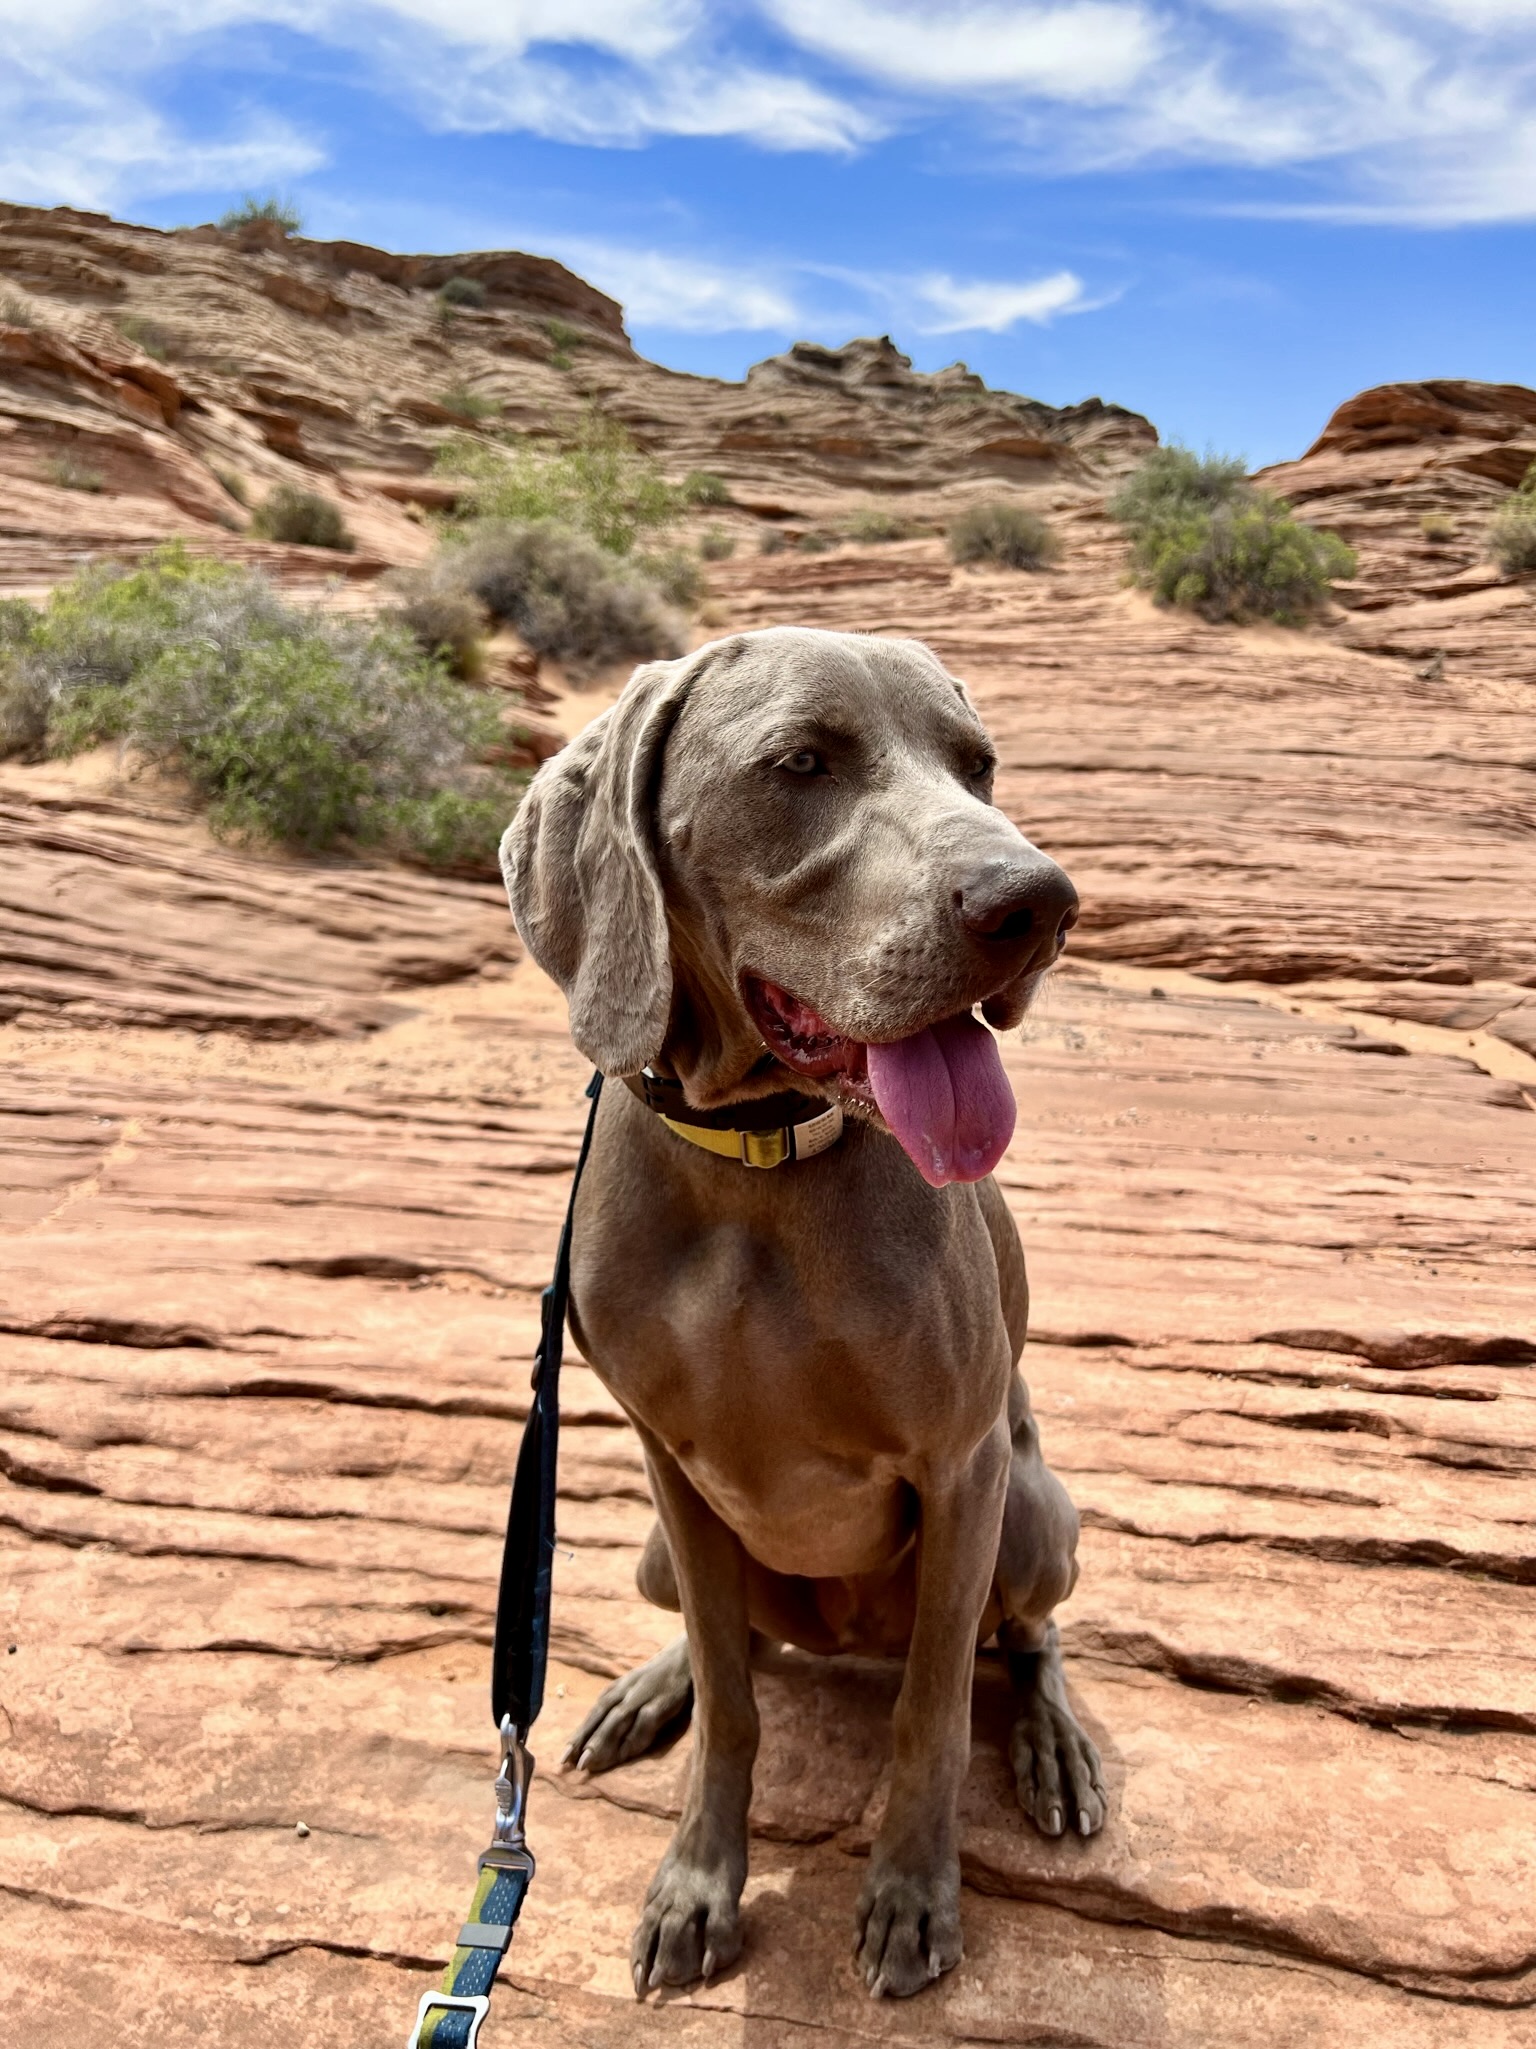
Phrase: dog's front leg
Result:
[690,1926]
[909,1911]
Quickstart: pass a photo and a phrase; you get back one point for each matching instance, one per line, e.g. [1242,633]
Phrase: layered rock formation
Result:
[336,367]
[286,1149]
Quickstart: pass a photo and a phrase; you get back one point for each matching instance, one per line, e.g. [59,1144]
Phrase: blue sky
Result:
[1229,216]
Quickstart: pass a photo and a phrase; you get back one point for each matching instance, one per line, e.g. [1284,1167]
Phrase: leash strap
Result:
[451,2017]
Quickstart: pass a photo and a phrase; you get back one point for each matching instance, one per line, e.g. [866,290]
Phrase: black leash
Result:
[450,2017]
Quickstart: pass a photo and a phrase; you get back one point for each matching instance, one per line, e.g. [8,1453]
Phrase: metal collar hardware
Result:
[772,1148]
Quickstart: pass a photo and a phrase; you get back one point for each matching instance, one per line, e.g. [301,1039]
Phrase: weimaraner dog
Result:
[773,885]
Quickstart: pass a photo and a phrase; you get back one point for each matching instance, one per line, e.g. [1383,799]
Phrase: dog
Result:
[774,887]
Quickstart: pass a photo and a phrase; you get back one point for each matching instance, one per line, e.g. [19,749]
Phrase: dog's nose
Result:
[1009,901]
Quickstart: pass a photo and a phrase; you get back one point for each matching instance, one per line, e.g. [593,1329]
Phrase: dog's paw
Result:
[636,1712]
[691,1927]
[908,1929]
[1057,1771]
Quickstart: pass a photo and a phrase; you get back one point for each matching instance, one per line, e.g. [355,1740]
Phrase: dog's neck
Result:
[712,1046]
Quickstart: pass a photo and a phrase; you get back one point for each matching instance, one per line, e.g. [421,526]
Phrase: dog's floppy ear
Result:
[580,868]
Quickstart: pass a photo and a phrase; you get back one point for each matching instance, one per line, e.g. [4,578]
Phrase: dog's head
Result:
[781,852]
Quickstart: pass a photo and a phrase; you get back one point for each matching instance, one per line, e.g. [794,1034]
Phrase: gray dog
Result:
[773,885]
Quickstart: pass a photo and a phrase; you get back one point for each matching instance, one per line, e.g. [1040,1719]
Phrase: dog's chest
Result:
[802,1369]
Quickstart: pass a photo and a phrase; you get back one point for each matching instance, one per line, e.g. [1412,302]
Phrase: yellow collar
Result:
[771,1148]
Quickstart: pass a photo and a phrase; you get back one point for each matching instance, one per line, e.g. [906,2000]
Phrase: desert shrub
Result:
[1512,530]
[303,518]
[1247,559]
[71,474]
[16,312]
[462,291]
[1437,526]
[676,574]
[234,484]
[771,542]
[703,487]
[563,335]
[149,335]
[601,484]
[23,702]
[563,594]
[281,213]
[716,545]
[874,523]
[1172,482]
[467,404]
[1512,533]
[1204,538]
[1000,531]
[291,725]
[443,617]
[814,543]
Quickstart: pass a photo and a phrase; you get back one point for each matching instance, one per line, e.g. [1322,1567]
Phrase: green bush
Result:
[716,545]
[1204,538]
[874,523]
[70,474]
[1172,482]
[463,291]
[814,543]
[564,337]
[1437,527]
[1000,531]
[444,619]
[290,725]
[1512,534]
[676,574]
[564,595]
[282,213]
[467,404]
[234,484]
[771,542]
[303,518]
[703,487]
[149,335]
[1244,560]
[1512,530]
[16,312]
[600,484]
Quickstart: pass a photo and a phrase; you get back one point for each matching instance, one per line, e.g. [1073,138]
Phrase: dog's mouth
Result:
[941,1091]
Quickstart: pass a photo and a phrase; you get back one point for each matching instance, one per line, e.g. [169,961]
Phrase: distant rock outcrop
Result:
[252,356]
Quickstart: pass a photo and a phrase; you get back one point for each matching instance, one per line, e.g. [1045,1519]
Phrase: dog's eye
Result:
[804,761]
[982,767]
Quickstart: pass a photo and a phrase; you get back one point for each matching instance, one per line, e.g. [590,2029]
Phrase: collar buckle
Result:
[765,1148]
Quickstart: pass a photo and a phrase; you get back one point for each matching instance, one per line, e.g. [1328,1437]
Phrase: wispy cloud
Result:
[681,294]
[958,306]
[1420,111]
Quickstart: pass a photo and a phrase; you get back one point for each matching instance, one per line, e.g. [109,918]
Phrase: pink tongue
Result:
[945,1096]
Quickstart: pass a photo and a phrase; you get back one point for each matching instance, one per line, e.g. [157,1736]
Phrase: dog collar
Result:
[764,1133]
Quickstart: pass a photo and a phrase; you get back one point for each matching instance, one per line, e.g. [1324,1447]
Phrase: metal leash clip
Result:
[511,1802]
[509,1854]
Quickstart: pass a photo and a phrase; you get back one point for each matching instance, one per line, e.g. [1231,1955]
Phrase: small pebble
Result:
[301,1828]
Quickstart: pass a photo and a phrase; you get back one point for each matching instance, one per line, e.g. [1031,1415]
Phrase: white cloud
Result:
[1394,110]
[685,294]
[541,98]
[955,306]
[1082,50]
[89,144]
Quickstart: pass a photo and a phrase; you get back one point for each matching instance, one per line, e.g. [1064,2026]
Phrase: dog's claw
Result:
[639,1981]
[1053,1822]
[709,1965]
